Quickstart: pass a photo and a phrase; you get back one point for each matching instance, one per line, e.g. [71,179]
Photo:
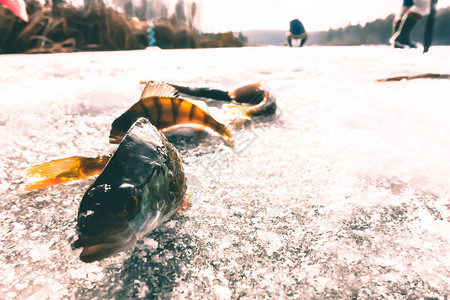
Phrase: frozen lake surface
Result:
[345,194]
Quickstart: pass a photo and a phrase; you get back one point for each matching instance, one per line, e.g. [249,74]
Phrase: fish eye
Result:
[131,207]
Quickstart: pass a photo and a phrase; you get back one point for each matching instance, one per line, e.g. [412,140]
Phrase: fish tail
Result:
[224,131]
[240,110]
[217,126]
[65,170]
[188,112]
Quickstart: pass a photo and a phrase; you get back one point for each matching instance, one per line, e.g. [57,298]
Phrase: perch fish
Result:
[252,98]
[161,105]
[141,185]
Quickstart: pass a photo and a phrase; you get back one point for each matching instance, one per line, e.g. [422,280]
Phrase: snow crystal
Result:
[222,292]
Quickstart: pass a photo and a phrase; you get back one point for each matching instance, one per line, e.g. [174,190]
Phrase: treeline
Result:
[380,31]
[56,27]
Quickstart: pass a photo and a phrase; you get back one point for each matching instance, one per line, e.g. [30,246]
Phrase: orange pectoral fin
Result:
[188,197]
[65,170]
[47,182]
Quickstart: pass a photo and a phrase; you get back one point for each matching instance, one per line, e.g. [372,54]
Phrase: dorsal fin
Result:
[158,89]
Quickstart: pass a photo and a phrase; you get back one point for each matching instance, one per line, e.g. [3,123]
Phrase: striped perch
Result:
[161,105]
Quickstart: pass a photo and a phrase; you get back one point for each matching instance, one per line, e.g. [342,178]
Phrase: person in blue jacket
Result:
[412,11]
[296,31]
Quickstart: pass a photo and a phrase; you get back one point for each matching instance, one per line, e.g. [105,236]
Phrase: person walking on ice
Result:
[412,11]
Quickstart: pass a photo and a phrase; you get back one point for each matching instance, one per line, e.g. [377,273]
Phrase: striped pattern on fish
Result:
[164,112]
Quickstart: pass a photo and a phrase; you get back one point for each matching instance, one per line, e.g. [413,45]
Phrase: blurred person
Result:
[412,11]
[296,31]
[179,11]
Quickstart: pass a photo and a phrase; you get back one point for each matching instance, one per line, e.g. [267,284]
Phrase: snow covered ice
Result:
[344,194]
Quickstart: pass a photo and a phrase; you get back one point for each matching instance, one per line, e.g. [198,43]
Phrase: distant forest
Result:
[372,33]
[379,32]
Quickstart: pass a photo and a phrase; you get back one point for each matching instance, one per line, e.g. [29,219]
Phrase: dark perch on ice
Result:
[420,76]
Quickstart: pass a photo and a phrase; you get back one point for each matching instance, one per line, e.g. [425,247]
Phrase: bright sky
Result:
[237,15]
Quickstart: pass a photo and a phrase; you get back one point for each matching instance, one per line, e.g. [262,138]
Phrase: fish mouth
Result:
[98,252]
[96,248]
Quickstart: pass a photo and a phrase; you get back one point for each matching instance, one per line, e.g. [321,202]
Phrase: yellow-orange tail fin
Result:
[65,170]
[239,111]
